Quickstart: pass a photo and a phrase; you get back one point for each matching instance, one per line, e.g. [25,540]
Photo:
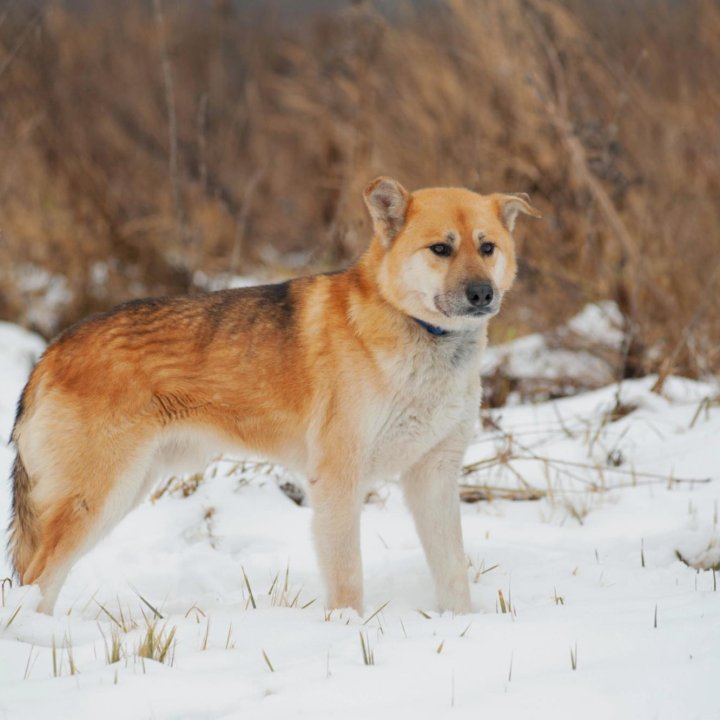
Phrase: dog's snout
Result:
[479,294]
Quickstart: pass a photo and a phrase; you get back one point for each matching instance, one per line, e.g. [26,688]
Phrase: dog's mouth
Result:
[480,312]
[452,308]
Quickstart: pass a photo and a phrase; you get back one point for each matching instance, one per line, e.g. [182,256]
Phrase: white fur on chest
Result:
[434,389]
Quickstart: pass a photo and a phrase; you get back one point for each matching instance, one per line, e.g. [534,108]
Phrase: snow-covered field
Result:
[585,605]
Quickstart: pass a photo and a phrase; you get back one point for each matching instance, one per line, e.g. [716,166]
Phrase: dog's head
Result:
[447,253]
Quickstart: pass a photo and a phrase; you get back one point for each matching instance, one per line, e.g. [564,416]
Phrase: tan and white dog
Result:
[345,377]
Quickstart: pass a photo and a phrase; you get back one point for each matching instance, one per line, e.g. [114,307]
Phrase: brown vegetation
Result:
[142,143]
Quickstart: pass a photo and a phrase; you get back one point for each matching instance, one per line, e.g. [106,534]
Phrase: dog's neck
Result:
[432,329]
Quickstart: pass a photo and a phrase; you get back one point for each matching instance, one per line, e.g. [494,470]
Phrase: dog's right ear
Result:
[387,200]
[510,204]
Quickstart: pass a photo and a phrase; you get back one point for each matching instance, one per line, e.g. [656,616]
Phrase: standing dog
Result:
[369,372]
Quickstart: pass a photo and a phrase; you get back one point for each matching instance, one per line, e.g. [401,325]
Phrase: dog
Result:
[343,377]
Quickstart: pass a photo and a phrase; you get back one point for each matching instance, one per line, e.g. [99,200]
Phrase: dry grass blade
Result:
[402,626]
[368,655]
[13,615]
[5,581]
[379,610]
[114,651]
[267,661]
[207,636]
[198,612]
[154,610]
[109,614]
[249,589]
[620,471]
[228,640]
[481,493]
[704,404]
[29,664]
[574,657]
[71,658]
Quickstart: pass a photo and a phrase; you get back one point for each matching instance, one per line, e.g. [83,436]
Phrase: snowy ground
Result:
[602,619]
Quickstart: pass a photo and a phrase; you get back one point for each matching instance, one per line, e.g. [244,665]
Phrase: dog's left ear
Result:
[387,201]
[510,204]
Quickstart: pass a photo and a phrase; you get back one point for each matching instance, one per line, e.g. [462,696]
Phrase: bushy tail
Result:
[23,531]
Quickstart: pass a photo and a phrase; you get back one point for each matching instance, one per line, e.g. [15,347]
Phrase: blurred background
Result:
[160,147]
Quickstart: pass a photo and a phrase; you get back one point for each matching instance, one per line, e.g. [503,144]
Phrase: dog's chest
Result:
[430,396]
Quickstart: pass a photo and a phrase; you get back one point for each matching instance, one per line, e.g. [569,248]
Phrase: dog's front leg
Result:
[336,503]
[431,492]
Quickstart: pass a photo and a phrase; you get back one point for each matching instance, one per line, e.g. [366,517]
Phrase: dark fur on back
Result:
[274,304]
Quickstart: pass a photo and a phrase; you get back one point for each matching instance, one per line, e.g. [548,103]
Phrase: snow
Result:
[224,281]
[590,571]
[44,294]
[597,333]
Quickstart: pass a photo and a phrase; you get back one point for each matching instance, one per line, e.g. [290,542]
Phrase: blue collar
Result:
[432,329]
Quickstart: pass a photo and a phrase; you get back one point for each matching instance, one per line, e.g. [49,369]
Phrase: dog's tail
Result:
[23,518]
[23,532]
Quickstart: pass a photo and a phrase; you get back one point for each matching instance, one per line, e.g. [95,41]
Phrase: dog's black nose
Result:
[479,294]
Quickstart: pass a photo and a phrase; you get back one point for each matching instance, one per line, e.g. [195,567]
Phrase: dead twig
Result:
[169,87]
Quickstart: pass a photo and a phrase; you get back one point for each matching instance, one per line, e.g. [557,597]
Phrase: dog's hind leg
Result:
[71,522]
[431,493]
[61,531]
[72,484]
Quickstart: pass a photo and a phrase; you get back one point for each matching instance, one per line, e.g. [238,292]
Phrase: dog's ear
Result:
[387,200]
[510,204]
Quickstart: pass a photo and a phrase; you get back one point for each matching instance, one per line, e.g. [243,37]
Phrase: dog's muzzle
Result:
[478,298]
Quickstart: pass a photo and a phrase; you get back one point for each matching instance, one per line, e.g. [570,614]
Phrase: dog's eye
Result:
[442,249]
[487,248]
